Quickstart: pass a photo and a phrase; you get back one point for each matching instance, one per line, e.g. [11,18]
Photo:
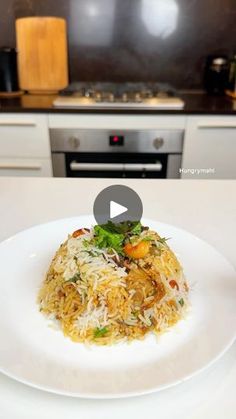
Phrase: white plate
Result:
[35,354]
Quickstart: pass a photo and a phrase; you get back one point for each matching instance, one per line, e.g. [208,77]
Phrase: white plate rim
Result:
[127,394]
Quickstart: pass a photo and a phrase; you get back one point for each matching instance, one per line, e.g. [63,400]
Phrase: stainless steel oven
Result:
[116,153]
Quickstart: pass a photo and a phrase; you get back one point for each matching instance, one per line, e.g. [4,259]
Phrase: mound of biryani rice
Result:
[114,282]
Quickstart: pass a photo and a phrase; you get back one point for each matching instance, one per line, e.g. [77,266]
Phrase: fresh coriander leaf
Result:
[132,239]
[112,235]
[181,302]
[137,228]
[147,239]
[125,227]
[136,239]
[74,278]
[86,243]
[93,253]
[163,240]
[98,333]
[106,239]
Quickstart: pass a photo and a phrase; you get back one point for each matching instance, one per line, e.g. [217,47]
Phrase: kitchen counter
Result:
[201,207]
[195,103]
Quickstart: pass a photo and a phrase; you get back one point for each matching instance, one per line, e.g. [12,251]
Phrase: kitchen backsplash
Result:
[135,40]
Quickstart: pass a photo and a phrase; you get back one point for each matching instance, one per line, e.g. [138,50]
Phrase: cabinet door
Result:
[25,167]
[24,135]
[116,122]
[209,148]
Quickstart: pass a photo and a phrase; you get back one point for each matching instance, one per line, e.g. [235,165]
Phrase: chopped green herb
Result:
[181,302]
[112,235]
[136,228]
[125,227]
[75,258]
[86,243]
[163,240]
[106,239]
[100,332]
[132,240]
[74,278]
[147,238]
[144,228]
[93,253]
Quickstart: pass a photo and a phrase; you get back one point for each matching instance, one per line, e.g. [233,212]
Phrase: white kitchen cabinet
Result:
[105,121]
[209,143]
[209,148]
[25,167]
[24,145]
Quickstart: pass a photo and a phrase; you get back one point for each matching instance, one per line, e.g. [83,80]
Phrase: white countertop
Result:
[205,208]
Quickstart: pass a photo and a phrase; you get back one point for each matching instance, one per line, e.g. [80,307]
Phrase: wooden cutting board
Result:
[42,54]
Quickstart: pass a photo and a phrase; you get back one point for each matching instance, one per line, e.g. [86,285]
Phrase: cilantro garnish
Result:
[74,278]
[163,240]
[99,332]
[112,235]
[181,302]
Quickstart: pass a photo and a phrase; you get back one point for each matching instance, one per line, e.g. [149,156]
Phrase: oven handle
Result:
[8,165]
[154,167]
[75,166]
[149,167]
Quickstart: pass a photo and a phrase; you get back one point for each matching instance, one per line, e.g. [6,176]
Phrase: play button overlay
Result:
[117,203]
[116,209]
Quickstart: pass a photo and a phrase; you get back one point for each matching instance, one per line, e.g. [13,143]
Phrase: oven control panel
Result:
[116,140]
[112,141]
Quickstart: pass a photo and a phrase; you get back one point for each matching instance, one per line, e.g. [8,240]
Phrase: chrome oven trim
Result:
[163,142]
[142,141]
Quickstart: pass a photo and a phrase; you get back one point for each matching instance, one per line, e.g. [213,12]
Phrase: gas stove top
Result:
[119,95]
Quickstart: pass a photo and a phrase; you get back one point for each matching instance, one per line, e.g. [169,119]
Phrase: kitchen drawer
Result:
[25,167]
[24,136]
[106,121]
[210,148]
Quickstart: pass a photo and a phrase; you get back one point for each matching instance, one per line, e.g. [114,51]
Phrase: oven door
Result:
[109,165]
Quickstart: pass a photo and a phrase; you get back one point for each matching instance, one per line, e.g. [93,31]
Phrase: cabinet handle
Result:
[20,166]
[16,123]
[218,125]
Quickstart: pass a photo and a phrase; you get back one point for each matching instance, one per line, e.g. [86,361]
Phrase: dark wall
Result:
[135,40]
